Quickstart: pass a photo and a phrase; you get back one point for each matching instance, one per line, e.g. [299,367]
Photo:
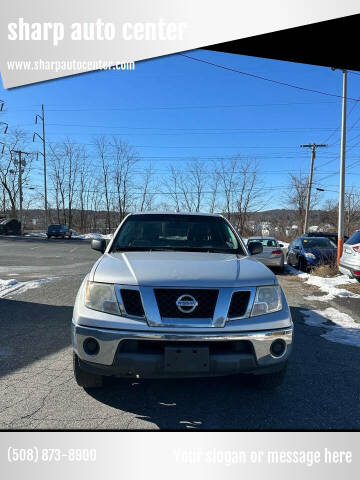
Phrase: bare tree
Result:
[9,170]
[101,146]
[214,182]
[171,185]
[296,196]
[249,198]
[146,195]
[227,171]
[242,193]
[126,158]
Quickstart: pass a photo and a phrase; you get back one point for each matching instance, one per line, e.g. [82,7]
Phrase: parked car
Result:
[307,252]
[331,236]
[350,259]
[10,226]
[59,231]
[272,254]
[179,295]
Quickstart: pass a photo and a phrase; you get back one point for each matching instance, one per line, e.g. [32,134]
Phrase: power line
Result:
[168,107]
[284,84]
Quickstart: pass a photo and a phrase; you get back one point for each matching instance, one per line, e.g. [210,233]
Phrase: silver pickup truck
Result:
[179,295]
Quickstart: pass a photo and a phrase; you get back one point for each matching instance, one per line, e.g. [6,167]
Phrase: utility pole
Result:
[21,163]
[342,171]
[313,147]
[2,103]
[43,153]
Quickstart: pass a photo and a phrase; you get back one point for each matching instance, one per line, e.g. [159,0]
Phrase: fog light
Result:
[91,346]
[278,348]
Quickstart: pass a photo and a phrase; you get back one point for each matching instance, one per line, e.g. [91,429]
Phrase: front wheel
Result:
[302,265]
[269,381]
[85,379]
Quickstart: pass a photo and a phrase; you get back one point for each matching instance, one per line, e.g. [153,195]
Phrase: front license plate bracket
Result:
[186,359]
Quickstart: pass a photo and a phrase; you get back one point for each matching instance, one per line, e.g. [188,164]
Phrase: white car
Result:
[350,259]
[179,295]
[272,254]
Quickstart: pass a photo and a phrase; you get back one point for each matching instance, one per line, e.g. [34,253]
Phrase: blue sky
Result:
[173,108]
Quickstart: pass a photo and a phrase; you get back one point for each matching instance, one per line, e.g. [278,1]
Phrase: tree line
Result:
[92,187]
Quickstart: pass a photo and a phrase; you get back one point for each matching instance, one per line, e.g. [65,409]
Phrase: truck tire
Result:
[269,381]
[85,379]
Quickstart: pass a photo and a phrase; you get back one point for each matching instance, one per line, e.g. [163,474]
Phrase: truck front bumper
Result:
[151,354]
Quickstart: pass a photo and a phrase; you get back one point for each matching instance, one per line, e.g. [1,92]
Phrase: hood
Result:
[175,269]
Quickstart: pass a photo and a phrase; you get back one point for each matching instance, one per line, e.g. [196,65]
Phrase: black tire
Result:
[269,381]
[287,261]
[302,265]
[85,379]
[48,237]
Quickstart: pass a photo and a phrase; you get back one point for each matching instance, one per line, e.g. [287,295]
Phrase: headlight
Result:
[310,255]
[101,297]
[267,300]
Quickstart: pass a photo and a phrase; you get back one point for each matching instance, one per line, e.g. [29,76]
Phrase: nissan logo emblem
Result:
[186,303]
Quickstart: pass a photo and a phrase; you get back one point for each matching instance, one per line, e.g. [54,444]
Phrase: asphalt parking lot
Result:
[37,389]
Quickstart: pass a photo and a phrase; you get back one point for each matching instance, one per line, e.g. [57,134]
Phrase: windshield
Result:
[354,239]
[176,232]
[320,242]
[265,242]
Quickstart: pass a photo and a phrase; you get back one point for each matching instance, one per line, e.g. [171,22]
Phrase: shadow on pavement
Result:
[31,331]
[317,391]
[42,240]
[230,403]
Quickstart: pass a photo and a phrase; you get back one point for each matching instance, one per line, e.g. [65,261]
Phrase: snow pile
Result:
[328,285]
[37,234]
[12,285]
[85,236]
[340,329]
[93,236]
[7,286]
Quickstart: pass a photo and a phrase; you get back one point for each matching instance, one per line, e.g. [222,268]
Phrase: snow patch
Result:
[328,285]
[14,286]
[93,236]
[85,236]
[341,328]
[37,234]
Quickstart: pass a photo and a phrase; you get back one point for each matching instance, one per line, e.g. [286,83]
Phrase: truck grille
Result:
[166,300]
[132,302]
[239,304]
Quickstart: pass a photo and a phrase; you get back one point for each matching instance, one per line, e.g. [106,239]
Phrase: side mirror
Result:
[99,245]
[296,247]
[255,248]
